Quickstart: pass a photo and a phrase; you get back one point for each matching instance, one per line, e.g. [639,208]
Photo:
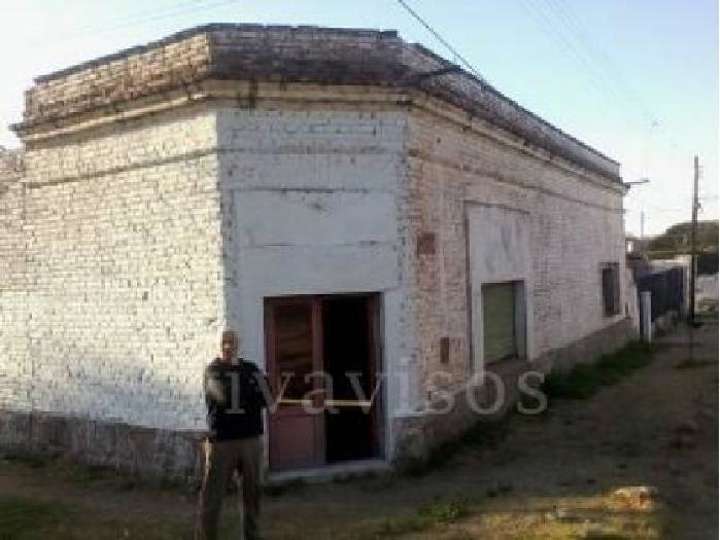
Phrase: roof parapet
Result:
[289,54]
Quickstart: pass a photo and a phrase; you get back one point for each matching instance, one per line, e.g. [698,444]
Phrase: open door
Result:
[294,347]
[349,358]
[323,356]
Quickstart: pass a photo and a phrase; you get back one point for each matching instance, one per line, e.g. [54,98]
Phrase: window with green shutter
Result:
[499,321]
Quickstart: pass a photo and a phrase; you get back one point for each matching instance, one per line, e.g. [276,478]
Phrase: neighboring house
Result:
[346,200]
[681,283]
[706,293]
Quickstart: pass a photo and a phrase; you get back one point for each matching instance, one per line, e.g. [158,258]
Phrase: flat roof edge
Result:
[281,53]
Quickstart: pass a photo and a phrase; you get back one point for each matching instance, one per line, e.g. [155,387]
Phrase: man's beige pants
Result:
[222,459]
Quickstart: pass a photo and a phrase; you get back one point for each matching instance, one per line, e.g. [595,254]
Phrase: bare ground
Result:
[550,476]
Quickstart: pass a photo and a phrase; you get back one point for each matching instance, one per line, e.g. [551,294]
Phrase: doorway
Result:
[323,363]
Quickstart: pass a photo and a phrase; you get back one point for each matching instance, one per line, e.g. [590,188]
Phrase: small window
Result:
[611,289]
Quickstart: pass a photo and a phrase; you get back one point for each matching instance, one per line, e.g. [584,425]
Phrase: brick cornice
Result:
[181,68]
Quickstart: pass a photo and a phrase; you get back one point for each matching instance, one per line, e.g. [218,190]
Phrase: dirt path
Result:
[549,477]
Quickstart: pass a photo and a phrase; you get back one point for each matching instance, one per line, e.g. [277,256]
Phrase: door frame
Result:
[375,365]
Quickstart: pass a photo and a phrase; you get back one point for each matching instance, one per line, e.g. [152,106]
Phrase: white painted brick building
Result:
[332,191]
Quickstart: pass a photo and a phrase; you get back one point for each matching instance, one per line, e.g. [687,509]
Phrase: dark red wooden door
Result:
[294,349]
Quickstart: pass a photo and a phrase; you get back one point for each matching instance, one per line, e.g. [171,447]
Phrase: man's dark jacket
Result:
[234,413]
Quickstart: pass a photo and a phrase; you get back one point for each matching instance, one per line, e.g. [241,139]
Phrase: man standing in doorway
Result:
[235,399]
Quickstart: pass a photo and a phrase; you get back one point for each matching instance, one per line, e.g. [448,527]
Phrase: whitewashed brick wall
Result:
[117,306]
[13,384]
[576,225]
[317,207]
[114,307]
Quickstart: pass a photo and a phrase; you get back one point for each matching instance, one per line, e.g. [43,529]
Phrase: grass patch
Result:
[88,475]
[21,517]
[380,482]
[33,461]
[284,488]
[584,380]
[484,433]
[424,519]
[445,512]
[400,525]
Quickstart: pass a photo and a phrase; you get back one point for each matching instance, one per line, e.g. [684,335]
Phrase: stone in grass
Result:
[635,498]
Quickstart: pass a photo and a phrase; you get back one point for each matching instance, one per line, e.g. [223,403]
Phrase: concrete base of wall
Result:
[489,402]
[419,436]
[589,348]
[135,450]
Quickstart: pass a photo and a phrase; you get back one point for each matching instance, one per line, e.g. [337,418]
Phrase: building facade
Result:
[351,203]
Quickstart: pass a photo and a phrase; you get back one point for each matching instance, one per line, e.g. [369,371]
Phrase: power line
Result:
[595,77]
[544,23]
[437,36]
[577,29]
[610,72]
[565,27]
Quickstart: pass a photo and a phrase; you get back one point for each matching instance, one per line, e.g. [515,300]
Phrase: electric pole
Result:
[642,230]
[693,237]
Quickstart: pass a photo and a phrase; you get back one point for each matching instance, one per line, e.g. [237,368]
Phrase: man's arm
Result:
[214,390]
[263,390]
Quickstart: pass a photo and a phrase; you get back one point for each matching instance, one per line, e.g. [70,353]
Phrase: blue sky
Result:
[637,79]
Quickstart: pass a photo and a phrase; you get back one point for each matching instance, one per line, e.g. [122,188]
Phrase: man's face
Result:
[229,346]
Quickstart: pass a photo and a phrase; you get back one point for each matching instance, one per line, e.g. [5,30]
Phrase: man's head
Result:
[229,345]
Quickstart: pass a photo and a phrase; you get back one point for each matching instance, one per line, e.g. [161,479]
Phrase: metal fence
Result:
[667,289]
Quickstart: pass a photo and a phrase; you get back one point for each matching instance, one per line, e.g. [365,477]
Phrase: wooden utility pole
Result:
[693,238]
